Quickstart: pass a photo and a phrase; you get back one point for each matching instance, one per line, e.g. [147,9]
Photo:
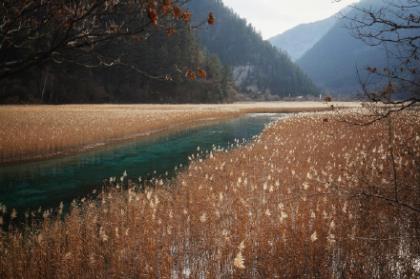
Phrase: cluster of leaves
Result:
[191,75]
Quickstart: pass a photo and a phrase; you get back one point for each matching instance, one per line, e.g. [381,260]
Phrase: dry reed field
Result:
[29,132]
[312,197]
[36,132]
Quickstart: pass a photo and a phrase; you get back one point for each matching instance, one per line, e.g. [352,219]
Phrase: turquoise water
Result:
[47,183]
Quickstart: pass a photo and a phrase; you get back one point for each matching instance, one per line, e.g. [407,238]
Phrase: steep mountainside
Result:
[333,62]
[258,68]
[303,37]
[339,59]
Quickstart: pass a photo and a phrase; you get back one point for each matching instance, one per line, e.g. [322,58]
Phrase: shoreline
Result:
[109,143]
[211,114]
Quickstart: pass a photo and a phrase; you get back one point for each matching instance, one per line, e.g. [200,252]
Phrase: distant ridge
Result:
[333,61]
[298,40]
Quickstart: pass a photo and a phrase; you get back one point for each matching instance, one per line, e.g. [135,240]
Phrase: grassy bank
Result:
[312,197]
[38,132]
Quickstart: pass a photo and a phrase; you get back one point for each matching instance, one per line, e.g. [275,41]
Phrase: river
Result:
[46,183]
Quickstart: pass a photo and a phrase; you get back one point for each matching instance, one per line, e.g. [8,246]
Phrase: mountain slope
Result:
[336,60]
[258,68]
[303,37]
[333,62]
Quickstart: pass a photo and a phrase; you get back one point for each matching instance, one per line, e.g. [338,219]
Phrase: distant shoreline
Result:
[32,133]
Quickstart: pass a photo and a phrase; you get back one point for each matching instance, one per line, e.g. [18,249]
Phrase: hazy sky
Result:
[271,17]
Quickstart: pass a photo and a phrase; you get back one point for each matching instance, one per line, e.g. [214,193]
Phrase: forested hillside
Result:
[172,59]
[161,58]
[259,69]
[163,63]
[143,80]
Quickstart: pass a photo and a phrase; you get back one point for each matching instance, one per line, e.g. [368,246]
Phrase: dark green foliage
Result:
[153,69]
[140,78]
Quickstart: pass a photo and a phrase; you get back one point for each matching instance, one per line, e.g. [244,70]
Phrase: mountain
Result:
[300,39]
[259,70]
[164,66]
[333,62]
[338,61]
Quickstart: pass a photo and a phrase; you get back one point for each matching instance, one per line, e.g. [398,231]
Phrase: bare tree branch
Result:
[395,26]
[40,31]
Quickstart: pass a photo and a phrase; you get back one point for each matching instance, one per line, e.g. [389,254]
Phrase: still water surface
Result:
[46,183]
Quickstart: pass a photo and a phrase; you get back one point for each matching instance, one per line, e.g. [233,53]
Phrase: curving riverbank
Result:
[40,132]
[45,184]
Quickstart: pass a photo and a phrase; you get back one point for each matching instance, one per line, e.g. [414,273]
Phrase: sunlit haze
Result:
[271,17]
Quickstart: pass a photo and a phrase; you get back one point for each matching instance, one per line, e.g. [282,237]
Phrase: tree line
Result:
[105,51]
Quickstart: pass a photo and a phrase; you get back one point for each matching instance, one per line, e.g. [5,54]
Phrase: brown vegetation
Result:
[40,131]
[34,132]
[309,198]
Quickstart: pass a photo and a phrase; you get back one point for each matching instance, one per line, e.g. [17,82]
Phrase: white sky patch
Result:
[271,17]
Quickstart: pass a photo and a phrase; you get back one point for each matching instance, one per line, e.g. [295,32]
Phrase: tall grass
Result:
[34,132]
[306,199]
[31,132]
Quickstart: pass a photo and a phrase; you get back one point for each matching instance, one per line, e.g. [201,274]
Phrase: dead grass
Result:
[310,198]
[36,132]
